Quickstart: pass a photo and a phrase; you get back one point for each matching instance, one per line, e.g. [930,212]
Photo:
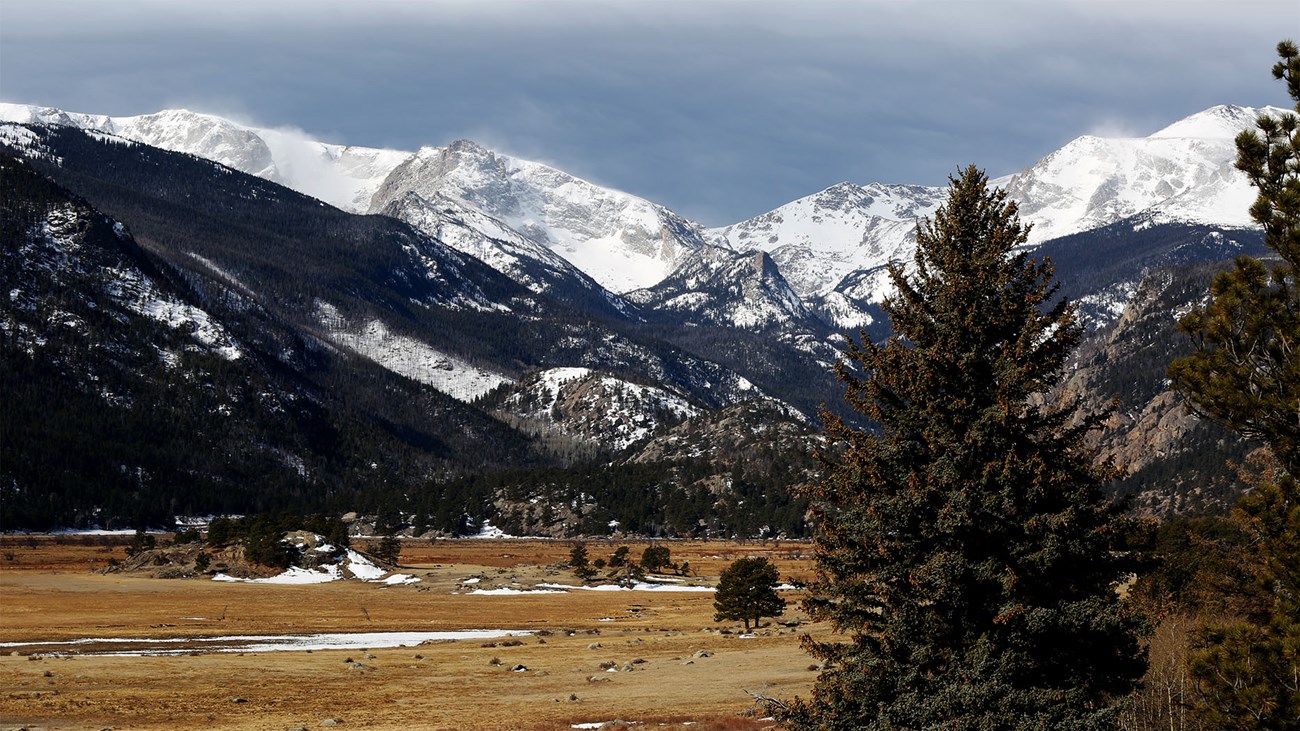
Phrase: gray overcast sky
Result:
[719,109]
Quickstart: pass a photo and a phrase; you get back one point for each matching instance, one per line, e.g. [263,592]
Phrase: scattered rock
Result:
[638,661]
[594,646]
[702,653]
[627,667]
[598,679]
[573,696]
[238,700]
[520,668]
[331,722]
[361,666]
[607,665]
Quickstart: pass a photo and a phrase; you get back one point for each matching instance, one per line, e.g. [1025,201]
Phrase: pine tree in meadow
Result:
[965,550]
[747,592]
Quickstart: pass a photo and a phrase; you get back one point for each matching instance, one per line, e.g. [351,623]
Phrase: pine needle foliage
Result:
[1245,372]
[966,549]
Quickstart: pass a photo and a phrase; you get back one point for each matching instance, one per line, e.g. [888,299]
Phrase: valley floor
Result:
[692,675]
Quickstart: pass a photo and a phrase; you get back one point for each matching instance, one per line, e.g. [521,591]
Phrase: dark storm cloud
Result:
[721,110]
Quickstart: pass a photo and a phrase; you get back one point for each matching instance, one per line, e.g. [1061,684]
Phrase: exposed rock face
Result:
[715,286]
[594,409]
[742,437]
[1151,433]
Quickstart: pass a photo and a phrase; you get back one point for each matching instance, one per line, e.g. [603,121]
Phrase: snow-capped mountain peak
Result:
[622,241]
[1184,172]
[1224,121]
[344,176]
[822,238]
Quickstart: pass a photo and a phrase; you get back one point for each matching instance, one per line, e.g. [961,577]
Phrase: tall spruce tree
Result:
[966,548]
[1245,372]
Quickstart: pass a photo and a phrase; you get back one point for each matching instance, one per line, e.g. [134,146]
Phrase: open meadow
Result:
[651,659]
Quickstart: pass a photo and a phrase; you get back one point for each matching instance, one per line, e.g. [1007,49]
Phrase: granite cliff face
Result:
[1173,461]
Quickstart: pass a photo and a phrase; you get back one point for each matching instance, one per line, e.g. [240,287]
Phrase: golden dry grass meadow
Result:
[51,590]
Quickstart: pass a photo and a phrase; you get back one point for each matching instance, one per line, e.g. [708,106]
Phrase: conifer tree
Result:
[1245,372]
[747,591]
[965,548]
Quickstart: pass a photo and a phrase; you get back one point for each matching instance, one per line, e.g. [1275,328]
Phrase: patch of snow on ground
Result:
[293,575]
[490,531]
[362,568]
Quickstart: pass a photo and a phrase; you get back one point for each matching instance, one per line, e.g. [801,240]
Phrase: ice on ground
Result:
[401,579]
[639,586]
[264,643]
[512,592]
[471,580]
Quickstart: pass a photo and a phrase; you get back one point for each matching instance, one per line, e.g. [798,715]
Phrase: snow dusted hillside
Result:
[596,407]
[409,357]
[718,286]
[60,251]
[527,262]
[622,241]
[341,175]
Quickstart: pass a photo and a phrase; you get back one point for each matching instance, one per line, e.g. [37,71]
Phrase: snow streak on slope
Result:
[622,241]
[57,246]
[409,357]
